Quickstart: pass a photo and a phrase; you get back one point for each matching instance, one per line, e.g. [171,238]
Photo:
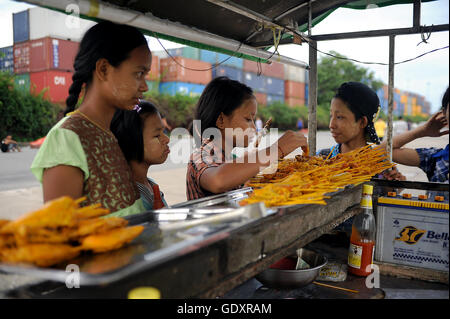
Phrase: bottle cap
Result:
[367,189]
[144,293]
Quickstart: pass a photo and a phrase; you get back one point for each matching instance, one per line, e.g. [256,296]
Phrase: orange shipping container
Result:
[153,75]
[56,83]
[275,69]
[292,101]
[184,70]
[261,98]
[294,89]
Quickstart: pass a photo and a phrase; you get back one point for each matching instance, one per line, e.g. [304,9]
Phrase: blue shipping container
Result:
[21,27]
[232,73]
[173,88]
[271,98]
[7,59]
[274,86]
[254,81]
[208,56]
[306,94]
[225,59]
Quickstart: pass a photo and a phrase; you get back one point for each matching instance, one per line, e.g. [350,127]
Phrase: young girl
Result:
[81,156]
[141,137]
[225,112]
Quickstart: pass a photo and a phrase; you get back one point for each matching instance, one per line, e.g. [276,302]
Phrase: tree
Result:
[332,72]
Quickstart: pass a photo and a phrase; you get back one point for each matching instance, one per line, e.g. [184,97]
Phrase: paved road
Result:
[20,192]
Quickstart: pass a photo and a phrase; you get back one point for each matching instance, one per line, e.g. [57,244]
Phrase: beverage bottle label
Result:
[354,256]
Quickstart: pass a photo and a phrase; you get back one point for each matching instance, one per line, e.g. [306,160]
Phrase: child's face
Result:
[156,148]
[343,126]
[126,83]
[242,120]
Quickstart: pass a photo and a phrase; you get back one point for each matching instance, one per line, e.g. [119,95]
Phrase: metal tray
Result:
[158,243]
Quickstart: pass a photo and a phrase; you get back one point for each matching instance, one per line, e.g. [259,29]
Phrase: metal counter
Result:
[196,256]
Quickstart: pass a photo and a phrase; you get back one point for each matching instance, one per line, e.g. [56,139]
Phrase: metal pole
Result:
[312,90]
[390,95]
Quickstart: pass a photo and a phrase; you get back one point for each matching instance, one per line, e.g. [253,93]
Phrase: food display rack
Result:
[195,257]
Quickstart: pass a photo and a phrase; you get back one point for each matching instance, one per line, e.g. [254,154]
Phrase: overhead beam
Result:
[153,24]
[380,33]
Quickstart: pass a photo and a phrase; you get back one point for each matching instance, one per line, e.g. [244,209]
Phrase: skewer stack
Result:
[306,180]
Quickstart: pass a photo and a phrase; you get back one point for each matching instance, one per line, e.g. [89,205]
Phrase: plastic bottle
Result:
[362,240]
[157,201]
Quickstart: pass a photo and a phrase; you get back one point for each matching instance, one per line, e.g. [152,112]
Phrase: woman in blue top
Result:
[433,161]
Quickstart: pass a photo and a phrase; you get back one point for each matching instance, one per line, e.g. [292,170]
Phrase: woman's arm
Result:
[230,175]
[62,180]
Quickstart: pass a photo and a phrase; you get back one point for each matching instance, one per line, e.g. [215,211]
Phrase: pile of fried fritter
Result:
[60,231]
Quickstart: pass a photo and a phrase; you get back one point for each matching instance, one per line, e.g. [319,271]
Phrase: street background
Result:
[21,193]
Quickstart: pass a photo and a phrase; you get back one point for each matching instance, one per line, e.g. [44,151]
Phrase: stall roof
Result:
[257,24]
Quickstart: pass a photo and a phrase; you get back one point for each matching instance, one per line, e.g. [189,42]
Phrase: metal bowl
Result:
[279,278]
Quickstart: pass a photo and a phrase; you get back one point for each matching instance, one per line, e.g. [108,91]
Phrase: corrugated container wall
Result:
[44,54]
[293,101]
[294,89]
[306,93]
[186,52]
[153,75]
[274,86]
[21,27]
[257,83]
[232,73]
[261,98]
[22,82]
[271,98]
[172,88]
[184,70]
[221,59]
[7,59]
[294,73]
[274,69]
[49,23]
[56,84]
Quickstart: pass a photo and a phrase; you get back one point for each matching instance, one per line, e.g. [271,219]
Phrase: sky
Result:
[428,75]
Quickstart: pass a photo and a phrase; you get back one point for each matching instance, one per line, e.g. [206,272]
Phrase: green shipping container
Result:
[22,82]
[153,86]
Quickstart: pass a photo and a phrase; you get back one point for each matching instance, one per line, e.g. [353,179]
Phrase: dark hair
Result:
[362,101]
[445,100]
[128,127]
[107,40]
[221,95]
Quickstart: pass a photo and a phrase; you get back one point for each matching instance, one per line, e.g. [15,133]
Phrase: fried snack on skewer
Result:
[263,132]
[112,239]
[3,222]
[42,255]
[305,179]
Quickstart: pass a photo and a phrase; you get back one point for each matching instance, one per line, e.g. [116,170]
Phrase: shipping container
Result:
[186,52]
[306,93]
[153,86]
[293,101]
[153,75]
[271,98]
[179,69]
[160,54]
[274,69]
[294,73]
[208,56]
[274,86]
[228,60]
[261,98]
[21,27]
[7,59]
[44,54]
[294,89]
[22,82]
[232,73]
[257,83]
[172,88]
[55,83]
[36,23]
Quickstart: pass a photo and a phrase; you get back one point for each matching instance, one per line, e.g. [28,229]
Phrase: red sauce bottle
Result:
[362,240]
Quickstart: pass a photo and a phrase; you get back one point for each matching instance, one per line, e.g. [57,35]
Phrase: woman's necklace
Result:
[95,123]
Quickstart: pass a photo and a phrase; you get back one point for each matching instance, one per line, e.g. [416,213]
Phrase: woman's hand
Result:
[433,126]
[393,175]
[290,141]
